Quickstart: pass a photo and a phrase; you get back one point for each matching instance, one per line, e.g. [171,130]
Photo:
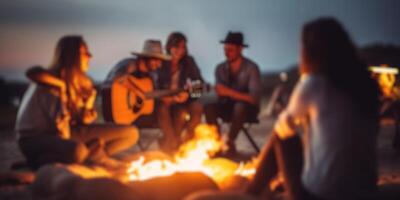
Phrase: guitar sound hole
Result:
[138,105]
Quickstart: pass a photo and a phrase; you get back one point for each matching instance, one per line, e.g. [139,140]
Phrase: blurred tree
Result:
[377,54]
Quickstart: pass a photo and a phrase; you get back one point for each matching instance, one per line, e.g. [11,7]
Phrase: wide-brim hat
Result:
[234,38]
[152,49]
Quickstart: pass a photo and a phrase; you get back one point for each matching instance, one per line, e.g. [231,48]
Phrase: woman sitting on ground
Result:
[336,105]
[54,122]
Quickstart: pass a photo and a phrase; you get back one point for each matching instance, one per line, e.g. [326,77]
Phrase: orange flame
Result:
[193,156]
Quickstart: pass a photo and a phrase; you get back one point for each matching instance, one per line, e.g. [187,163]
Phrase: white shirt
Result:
[339,142]
[38,112]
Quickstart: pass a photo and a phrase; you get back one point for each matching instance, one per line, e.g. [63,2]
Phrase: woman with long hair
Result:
[335,105]
[54,122]
[172,111]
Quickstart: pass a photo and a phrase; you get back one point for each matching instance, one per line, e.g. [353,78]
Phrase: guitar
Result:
[128,97]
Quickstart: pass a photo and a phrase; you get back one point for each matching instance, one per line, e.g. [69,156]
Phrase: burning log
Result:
[211,195]
[173,187]
[63,182]
[59,182]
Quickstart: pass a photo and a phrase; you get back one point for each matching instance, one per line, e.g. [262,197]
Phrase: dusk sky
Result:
[30,29]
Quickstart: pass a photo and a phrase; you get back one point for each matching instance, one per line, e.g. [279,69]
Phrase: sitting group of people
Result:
[238,87]
[323,143]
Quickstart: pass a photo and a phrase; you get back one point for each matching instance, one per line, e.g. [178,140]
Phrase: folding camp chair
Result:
[245,129]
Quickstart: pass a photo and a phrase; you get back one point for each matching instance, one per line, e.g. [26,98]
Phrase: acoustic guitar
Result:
[128,97]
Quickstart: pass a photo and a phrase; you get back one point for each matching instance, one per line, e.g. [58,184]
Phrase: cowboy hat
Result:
[152,49]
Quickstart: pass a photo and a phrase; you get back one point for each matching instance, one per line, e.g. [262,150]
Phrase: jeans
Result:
[49,148]
[236,112]
[172,121]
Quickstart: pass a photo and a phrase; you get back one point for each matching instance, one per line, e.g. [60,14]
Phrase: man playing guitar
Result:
[126,86]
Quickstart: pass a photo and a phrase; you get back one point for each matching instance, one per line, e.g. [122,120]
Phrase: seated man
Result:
[128,82]
[238,88]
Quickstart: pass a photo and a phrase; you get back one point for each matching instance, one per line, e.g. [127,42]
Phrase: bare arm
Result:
[89,112]
[296,111]
[42,76]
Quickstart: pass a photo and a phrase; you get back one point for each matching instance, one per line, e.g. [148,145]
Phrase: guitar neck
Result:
[162,93]
[194,89]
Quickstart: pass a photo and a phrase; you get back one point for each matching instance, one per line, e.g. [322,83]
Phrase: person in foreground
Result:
[55,120]
[335,105]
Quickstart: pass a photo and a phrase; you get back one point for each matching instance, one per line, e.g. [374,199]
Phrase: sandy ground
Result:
[389,161]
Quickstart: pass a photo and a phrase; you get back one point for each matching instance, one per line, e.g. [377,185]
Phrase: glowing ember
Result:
[192,156]
[246,169]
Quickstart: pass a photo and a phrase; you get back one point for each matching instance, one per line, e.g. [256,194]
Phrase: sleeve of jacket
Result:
[255,84]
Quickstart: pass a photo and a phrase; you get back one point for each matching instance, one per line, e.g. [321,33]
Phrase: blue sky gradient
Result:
[29,30]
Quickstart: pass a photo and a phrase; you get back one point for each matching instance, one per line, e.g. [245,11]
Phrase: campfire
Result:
[192,168]
[193,156]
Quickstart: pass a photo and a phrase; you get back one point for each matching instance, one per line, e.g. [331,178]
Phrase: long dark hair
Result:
[173,40]
[66,64]
[328,50]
